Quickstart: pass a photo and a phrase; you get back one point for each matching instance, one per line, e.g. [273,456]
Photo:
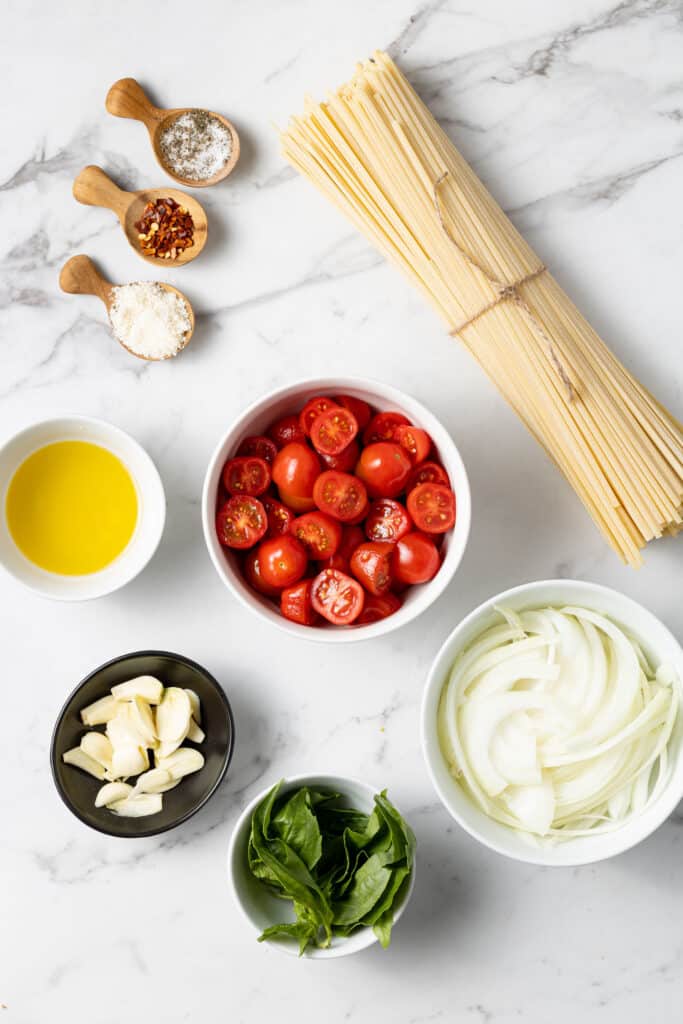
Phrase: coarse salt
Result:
[196,145]
[149,320]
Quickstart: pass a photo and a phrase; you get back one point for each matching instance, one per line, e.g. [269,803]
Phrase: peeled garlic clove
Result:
[147,687]
[111,792]
[183,762]
[100,712]
[138,806]
[123,730]
[195,705]
[156,780]
[129,761]
[142,719]
[165,749]
[174,714]
[79,759]
[97,746]
[194,733]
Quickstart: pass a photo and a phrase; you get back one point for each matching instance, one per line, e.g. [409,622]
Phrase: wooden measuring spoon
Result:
[126,98]
[94,188]
[80,276]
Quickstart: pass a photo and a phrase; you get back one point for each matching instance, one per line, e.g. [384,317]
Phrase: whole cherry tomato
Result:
[282,560]
[378,606]
[252,574]
[360,409]
[384,468]
[286,430]
[280,518]
[346,461]
[295,471]
[415,559]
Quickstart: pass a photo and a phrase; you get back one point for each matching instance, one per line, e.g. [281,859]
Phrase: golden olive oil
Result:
[71,507]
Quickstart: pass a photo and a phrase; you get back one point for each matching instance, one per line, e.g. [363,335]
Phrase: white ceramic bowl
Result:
[284,401]
[151,508]
[256,904]
[658,643]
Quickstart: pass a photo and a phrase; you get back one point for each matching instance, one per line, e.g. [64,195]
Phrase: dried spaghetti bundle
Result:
[375,150]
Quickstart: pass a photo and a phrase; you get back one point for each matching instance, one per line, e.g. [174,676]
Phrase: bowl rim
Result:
[431,750]
[227,757]
[111,428]
[349,634]
[332,953]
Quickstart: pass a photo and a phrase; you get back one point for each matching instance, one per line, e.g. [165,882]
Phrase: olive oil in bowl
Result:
[72,507]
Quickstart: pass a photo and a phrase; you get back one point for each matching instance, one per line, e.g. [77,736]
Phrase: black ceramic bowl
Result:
[78,790]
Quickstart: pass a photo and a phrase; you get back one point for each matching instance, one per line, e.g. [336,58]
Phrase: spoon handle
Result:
[127,98]
[80,276]
[94,188]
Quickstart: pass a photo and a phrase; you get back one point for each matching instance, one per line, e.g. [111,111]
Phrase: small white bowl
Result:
[256,419]
[659,645]
[151,508]
[256,904]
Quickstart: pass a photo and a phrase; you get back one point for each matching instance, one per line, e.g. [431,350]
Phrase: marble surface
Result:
[572,112]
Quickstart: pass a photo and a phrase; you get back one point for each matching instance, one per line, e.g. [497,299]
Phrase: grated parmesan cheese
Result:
[149,320]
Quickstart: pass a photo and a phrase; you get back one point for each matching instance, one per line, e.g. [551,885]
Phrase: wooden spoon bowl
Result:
[80,276]
[95,188]
[126,98]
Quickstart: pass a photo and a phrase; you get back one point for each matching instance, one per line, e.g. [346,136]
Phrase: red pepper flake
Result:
[165,229]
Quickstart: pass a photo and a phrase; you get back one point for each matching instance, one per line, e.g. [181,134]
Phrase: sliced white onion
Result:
[556,723]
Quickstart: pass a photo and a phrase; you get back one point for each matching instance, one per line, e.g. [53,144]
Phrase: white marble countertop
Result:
[572,112]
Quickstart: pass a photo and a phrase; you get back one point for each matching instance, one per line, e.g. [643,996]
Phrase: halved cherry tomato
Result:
[295,470]
[371,565]
[341,495]
[282,561]
[352,536]
[415,559]
[384,468]
[337,597]
[360,409]
[333,431]
[387,520]
[286,430]
[345,462]
[378,606]
[252,574]
[241,522]
[432,507]
[260,446]
[416,442]
[312,410]
[428,473]
[295,603]
[383,425]
[246,474]
[320,534]
[280,518]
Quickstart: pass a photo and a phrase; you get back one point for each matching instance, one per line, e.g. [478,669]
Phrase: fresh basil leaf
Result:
[296,824]
[369,883]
